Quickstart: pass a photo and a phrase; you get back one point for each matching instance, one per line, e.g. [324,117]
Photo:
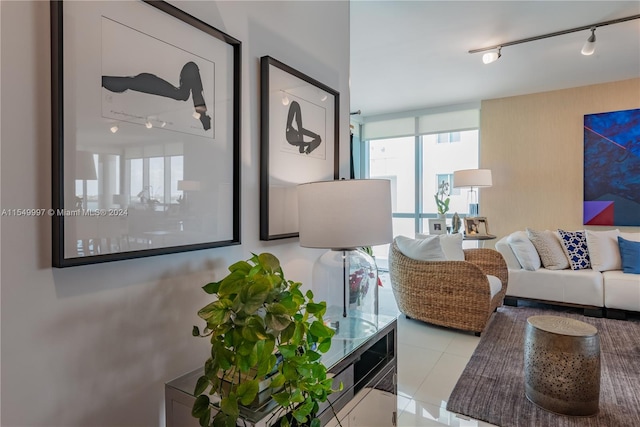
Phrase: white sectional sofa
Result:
[604,286]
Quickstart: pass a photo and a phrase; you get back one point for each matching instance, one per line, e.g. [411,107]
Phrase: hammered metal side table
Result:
[562,365]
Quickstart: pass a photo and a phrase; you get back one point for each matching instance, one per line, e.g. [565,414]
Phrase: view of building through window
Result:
[416,165]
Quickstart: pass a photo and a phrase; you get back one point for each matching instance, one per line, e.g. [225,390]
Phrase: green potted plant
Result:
[442,198]
[262,329]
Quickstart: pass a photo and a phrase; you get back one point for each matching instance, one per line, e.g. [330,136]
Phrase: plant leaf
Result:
[229,405]
[283,398]
[277,322]
[247,391]
[320,330]
[242,266]
[256,296]
[200,405]
[269,262]
[232,284]
[315,423]
[211,288]
[201,385]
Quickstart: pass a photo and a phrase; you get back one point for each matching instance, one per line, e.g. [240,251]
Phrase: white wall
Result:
[94,345]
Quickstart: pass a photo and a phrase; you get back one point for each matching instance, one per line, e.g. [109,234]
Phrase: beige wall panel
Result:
[534,146]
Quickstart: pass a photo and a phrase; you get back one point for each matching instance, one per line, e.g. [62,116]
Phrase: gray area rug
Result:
[491,387]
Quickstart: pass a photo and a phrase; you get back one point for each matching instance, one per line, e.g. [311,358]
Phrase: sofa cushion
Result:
[630,254]
[524,250]
[451,245]
[603,249]
[622,291]
[584,287]
[575,246]
[427,249]
[549,248]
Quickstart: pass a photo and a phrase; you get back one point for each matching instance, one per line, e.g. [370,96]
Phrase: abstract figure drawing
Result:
[190,85]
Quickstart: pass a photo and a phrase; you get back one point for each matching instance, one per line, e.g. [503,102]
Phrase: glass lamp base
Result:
[349,328]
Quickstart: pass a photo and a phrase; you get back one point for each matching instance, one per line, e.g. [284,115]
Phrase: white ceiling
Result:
[410,55]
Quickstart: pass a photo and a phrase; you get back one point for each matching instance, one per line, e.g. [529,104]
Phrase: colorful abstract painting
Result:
[612,168]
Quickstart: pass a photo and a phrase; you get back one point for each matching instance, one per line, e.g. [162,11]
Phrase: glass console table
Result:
[367,368]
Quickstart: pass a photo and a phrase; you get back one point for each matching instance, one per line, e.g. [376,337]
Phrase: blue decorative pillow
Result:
[630,254]
[574,244]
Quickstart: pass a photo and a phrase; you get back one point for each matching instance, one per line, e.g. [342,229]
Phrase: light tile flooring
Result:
[430,361]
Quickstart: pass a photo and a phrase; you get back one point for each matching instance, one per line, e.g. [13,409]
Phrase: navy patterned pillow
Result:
[574,244]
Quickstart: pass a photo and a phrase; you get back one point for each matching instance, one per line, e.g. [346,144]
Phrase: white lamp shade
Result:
[345,214]
[472,178]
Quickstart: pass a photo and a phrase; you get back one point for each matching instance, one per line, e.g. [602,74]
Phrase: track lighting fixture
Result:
[590,45]
[587,49]
[148,124]
[490,57]
[114,128]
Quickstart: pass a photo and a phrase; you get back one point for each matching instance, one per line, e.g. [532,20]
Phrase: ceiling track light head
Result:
[590,45]
[490,57]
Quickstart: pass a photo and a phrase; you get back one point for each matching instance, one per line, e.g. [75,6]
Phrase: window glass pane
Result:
[136,183]
[156,179]
[440,161]
[177,174]
[394,159]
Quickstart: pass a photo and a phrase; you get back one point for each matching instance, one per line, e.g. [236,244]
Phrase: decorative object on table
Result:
[342,216]
[456,223]
[611,155]
[437,226]
[473,179]
[299,142]
[258,315]
[476,226]
[442,198]
[116,105]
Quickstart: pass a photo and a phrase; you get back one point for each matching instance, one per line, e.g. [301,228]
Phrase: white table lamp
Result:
[473,179]
[343,216]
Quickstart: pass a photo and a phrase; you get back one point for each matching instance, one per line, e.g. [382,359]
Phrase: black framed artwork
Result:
[299,142]
[145,132]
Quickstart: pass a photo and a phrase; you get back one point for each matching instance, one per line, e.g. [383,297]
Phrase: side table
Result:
[562,365]
[367,367]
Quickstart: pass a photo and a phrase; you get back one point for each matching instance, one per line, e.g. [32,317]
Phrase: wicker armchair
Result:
[454,294]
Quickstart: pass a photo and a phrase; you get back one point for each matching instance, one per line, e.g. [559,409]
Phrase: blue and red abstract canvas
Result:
[612,168]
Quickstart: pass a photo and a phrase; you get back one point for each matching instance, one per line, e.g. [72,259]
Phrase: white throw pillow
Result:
[451,245]
[428,249]
[634,237]
[524,250]
[549,248]
[604,251]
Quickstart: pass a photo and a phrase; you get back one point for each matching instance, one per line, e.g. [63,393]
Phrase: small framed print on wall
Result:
[298,142]
[145,132]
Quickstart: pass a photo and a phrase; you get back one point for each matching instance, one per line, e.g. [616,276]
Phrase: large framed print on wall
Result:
[146,134]
[299,142]
[612,168]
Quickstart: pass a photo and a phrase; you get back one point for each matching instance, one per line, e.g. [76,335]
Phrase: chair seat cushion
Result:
[495,285]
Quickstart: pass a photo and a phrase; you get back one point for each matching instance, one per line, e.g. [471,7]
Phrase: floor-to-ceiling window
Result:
[416,164]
